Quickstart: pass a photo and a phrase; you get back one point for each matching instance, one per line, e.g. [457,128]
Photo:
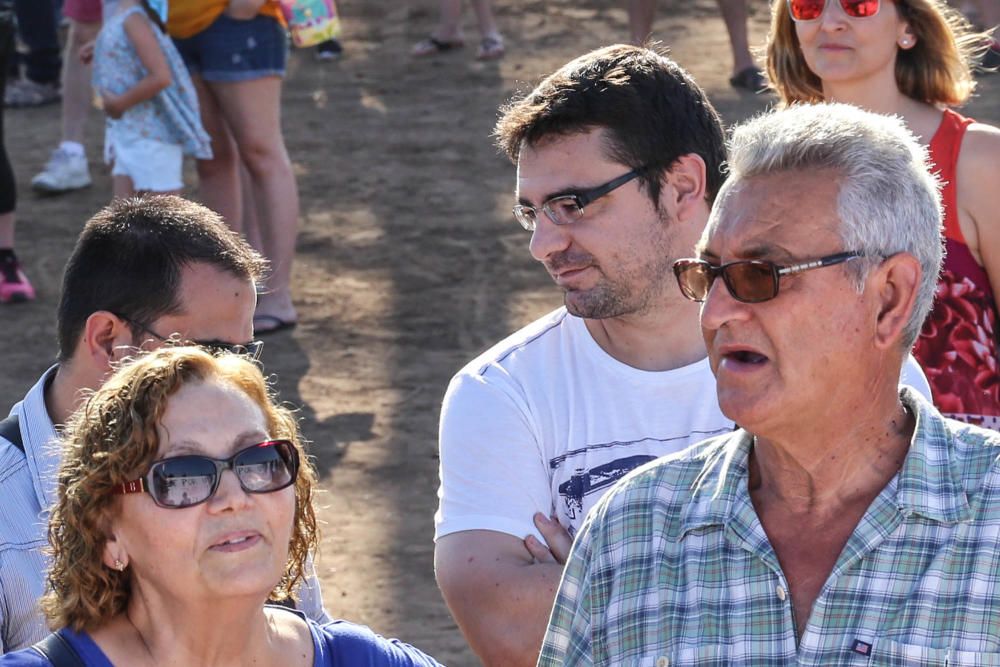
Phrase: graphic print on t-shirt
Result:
[582,476]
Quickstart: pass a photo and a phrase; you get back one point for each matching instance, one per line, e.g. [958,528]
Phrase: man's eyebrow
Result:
[563,192]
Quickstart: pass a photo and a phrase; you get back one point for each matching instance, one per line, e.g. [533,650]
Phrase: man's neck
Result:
[658,340]
[821,469]
[64,393]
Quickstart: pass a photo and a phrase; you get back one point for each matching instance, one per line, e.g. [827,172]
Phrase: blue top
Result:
[335,644]
[172,115]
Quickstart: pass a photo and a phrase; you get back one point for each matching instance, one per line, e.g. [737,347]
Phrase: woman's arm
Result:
[139,31]
[979,194]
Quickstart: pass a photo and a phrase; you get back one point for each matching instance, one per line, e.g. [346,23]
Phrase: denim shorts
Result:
[236,50]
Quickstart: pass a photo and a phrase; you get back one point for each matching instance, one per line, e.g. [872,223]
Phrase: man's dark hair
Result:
[652,109]
[130,255]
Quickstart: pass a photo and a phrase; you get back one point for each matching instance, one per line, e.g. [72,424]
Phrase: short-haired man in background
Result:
[142,272]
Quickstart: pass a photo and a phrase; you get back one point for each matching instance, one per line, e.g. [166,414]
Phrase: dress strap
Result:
[944,149]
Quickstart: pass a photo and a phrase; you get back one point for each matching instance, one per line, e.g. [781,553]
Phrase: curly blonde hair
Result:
[113,439]
[937,70]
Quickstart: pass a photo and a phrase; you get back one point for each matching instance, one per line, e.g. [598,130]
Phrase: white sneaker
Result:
[63,172]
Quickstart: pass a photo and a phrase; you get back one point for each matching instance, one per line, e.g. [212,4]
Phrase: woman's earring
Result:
[905,42]
[120,566]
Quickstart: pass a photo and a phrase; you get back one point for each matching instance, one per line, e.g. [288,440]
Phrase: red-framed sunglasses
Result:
[810,10]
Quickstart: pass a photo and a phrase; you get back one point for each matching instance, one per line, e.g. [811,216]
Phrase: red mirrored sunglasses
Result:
[810,10]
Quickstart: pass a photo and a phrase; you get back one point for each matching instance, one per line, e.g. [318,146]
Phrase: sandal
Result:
[751,79]
[432,46]
[490,48]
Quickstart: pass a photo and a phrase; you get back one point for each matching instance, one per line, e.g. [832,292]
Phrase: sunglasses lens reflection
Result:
[806,10]
[810,10]
[188,480]
[694,278]
[859,9]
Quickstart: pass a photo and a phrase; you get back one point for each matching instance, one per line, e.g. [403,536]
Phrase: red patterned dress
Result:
[958,345]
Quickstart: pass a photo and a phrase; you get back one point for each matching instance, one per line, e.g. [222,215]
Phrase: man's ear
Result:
[106,339]
[684,184]
[896,280]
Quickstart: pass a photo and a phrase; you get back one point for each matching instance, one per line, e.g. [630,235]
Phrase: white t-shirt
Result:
[546,421]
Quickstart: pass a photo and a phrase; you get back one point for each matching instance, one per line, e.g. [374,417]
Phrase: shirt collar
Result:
[927,484]
[41,446]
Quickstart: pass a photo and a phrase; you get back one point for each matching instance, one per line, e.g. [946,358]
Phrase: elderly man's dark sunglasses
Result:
[182,481]
[748,280]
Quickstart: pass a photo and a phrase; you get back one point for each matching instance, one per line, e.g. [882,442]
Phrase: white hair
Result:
[888,201]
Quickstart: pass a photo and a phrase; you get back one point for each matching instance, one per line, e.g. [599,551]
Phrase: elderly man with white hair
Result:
[846,521]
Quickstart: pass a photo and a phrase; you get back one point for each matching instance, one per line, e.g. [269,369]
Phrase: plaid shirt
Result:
[673,566]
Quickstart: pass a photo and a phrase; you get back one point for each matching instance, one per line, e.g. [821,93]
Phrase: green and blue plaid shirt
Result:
[673,566]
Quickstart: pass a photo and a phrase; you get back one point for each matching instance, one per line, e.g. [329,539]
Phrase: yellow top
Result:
[189,17]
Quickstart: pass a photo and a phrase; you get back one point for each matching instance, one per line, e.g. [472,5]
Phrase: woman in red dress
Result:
[913,59]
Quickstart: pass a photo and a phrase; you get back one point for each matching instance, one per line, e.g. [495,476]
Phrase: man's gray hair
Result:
[888,200]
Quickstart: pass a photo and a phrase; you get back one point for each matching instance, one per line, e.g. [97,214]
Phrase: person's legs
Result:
[449,25]
[734,13]
[38,26]
[67,167]
[448,33]
[219,177]
[640,20]
[491,41]
[252,111]
[14,285]
[77,92]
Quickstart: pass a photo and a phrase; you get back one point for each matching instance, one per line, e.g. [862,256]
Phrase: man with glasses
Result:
[619,157]
[846,521]
[144,272]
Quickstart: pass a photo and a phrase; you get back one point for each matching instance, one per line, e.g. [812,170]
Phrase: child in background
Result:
[148,97]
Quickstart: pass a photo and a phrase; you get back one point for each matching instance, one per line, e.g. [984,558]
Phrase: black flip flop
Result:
[751,79]
[432,45]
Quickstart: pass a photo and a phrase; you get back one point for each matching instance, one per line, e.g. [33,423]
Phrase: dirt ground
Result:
[409,262]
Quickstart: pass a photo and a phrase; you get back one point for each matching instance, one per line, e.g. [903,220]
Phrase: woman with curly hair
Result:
[185,503]
[914,59]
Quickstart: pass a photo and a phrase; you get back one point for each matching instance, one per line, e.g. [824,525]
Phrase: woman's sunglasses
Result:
[182,481]
[810,10]
[748,280]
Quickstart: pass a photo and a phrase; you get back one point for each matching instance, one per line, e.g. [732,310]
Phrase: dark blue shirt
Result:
[336,644]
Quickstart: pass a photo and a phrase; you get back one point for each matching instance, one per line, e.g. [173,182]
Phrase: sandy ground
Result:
[409,262]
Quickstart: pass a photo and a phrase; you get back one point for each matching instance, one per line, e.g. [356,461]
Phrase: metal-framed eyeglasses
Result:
[568,208]
[250,349]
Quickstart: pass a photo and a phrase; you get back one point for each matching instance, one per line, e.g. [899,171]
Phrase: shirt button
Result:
[663,661]
[781,593]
